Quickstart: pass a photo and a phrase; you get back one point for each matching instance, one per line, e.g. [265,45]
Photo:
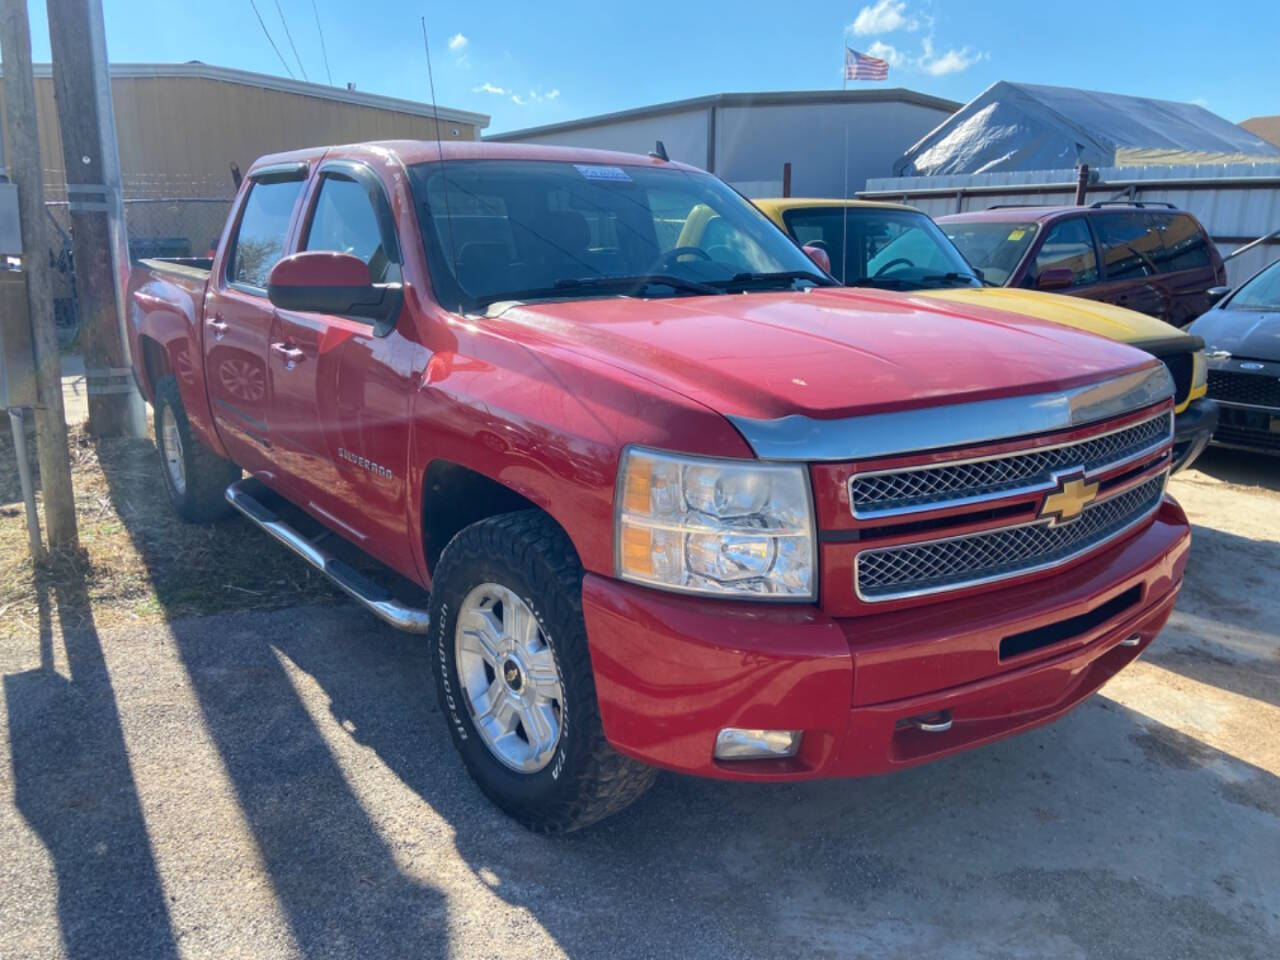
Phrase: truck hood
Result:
[1104,319]
[1253,334]
[828,352]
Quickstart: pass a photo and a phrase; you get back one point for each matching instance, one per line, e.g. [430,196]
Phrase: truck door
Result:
[1131,251]
[339,392]
[238,316]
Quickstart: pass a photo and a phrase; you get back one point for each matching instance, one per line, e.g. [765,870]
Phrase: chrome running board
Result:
[372,596]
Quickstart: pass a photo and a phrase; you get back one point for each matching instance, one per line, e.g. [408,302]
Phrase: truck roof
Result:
[428,151]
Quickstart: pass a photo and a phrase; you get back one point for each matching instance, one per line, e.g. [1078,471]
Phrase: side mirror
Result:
[1055,278]
[326,282]
[1216,293]
[818,256]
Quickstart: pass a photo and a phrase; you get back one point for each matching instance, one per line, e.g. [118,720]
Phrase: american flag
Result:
[859,66]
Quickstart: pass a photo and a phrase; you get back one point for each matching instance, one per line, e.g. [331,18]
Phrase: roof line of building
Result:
[772,99]
[208,71]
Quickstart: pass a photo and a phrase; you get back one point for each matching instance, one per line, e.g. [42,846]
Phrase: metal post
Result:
[1082,184]
[786,179]
[24,481]
[26,171]
[83,91]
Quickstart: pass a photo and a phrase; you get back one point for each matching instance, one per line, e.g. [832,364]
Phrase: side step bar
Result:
[373,597]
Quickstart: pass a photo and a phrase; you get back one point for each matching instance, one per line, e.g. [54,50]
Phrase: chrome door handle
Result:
[217,325]
[291,354]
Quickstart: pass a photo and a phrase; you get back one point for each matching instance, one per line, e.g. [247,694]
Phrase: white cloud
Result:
[953,61]
[553,94]
[457,42]
[885,16]
[518,100]
[889,53]
[489,88]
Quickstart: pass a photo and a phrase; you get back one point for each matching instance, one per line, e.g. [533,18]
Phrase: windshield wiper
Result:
[953,276]
[636,282]
[785,277]
[575,286]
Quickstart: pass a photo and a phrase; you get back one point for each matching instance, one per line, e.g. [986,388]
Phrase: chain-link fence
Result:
[157,227]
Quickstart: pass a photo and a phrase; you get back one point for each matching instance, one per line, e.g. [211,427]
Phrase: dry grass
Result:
[138,561]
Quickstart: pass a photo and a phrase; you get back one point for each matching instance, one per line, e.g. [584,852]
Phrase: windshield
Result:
[897,249]
[994,247]
[1260,293]
[501,230]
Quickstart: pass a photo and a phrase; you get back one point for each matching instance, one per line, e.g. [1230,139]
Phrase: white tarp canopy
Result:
[1022,126]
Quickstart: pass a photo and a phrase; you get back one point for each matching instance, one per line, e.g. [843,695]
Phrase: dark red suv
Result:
[1149,257]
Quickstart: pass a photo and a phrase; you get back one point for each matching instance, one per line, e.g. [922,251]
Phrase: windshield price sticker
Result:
[616,174]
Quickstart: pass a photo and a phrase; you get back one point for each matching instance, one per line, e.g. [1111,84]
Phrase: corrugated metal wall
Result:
[1236,203]
[179,135]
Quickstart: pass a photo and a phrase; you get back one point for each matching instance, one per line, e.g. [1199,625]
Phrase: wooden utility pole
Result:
[23,159]
[82,87]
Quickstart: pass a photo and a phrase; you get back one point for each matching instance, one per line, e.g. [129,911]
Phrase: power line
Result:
[324,53]
[289,35]
[284,63]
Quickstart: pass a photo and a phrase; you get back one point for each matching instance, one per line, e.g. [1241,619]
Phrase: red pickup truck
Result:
[677,506]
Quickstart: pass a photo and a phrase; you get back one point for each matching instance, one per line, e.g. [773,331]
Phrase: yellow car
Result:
[896,247]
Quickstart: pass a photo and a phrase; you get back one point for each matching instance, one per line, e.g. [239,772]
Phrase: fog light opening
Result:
[734,743]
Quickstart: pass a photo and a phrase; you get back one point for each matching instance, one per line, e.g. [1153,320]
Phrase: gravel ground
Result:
[281,785]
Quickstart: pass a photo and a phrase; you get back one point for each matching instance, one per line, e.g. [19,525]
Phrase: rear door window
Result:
[260,237]
[1183,244]
[1067,244]
[345,221]
[1131,245]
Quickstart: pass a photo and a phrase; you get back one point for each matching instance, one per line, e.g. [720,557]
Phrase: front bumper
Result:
[672,671]
[1192,429]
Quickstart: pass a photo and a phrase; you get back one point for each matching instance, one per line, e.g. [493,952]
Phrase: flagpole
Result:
[844,66]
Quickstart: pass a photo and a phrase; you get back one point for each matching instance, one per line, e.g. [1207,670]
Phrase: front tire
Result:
[195,477]
[513,673]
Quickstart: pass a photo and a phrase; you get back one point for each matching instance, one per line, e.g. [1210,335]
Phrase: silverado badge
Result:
[1068,501]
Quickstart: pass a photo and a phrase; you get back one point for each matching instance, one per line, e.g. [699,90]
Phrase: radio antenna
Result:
[435,110]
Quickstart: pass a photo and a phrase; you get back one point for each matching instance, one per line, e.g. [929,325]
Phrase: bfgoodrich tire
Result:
[509,651]
[195,477]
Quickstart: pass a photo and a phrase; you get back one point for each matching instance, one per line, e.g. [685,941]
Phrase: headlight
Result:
[721,527]
[1199,370]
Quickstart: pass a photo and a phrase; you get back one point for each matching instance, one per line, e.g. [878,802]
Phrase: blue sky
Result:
[533,63]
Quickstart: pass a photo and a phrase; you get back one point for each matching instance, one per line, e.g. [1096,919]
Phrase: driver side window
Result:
[344,221]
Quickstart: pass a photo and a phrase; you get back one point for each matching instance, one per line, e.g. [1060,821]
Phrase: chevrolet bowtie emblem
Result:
[1068,501]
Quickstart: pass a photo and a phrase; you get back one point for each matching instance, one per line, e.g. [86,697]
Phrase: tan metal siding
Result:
[179,135]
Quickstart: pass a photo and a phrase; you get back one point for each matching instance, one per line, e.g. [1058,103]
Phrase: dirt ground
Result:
[267,783]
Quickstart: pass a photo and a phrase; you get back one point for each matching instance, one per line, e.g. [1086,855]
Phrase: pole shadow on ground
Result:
[74,786]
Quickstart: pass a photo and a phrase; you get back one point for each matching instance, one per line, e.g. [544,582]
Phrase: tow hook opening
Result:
[937,722]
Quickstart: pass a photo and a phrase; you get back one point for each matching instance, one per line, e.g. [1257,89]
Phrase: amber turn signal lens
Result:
[637,550]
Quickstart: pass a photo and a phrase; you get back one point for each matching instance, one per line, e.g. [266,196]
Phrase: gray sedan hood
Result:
[1254,334]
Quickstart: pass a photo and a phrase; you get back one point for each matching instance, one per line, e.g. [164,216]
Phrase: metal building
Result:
[180,126]
[746,138]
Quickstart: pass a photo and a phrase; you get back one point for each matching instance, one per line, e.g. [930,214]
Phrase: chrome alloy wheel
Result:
[171,450]
[509,677]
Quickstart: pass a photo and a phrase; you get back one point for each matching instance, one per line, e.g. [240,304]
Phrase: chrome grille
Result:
[877,494]
[914,569]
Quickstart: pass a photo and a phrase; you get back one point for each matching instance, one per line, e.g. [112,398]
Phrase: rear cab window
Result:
[258,242]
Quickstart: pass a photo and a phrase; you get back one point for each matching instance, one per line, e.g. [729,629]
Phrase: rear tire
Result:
[565,776]
[195,477]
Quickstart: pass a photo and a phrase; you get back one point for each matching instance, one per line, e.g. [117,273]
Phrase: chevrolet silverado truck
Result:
[896,247]
[653,504]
